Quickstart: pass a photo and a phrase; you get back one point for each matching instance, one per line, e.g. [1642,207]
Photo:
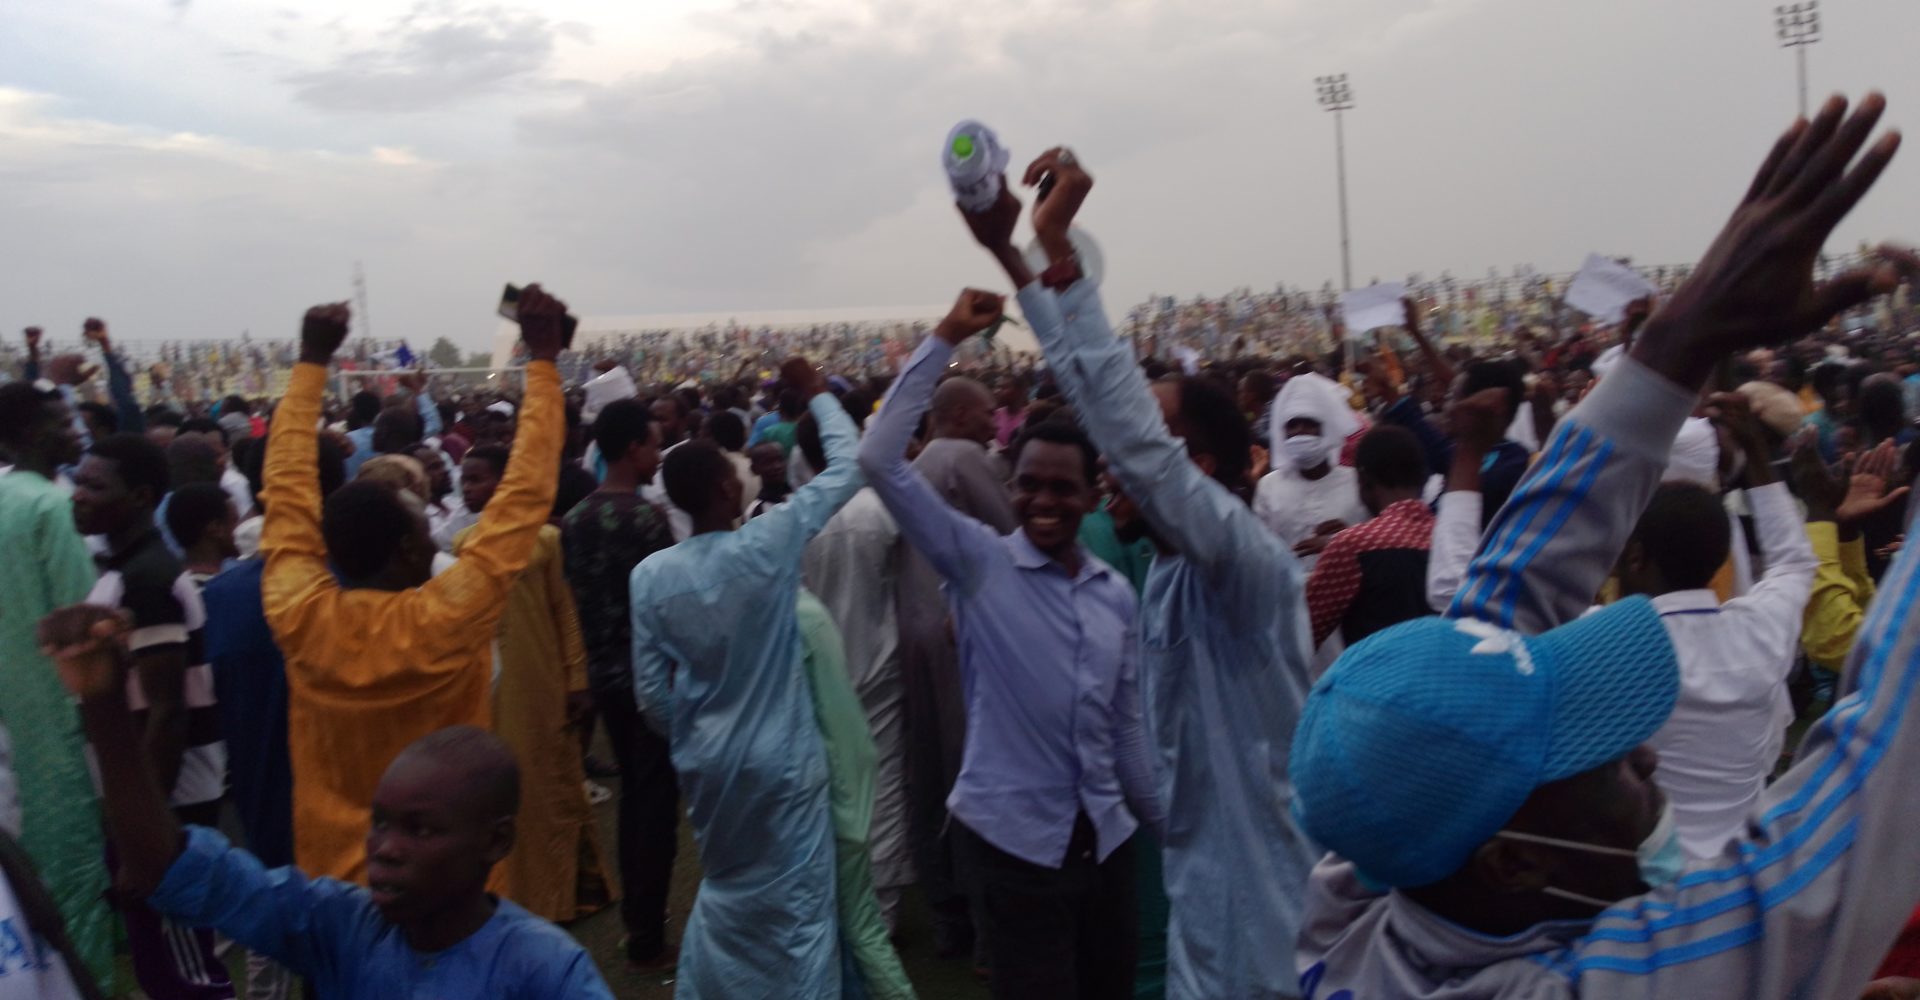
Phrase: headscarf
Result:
[1318,398]
[1696,455]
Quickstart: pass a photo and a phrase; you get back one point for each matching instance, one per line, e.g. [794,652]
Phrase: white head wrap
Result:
[1696,455]
[1317,398]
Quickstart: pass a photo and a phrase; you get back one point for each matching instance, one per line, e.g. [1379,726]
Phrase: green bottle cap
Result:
[962,146]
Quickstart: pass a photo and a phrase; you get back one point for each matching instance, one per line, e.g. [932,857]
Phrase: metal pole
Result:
[1340,158]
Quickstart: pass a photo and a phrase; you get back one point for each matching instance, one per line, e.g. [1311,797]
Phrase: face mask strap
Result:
[1575,897]
[1571,845]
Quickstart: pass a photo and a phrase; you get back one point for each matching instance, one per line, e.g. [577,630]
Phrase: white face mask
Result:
[1660,856]
[1304,451]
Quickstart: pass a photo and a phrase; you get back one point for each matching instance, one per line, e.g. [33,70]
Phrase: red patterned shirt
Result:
[1372,575]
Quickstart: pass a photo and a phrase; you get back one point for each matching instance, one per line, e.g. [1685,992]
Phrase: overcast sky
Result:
[199,168]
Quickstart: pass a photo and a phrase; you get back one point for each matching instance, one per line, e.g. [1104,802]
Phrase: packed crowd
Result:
[1568,661]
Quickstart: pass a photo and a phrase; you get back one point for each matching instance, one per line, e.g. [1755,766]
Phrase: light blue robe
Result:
[718,669]
[1224,671]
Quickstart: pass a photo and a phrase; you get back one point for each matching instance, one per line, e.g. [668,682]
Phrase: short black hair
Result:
[727,430]
[1496,375]
[192,460]
[203,425]
[236,404]
[395,428]
[492,454]
[621,424]
[1684,533]
[792,404]
[362,408]
[20,404]
[693,473]
[138,461]
[1061,429]
[193,508]
[364,522]
[159,415]
[1214,426]
[102,414]
[1390,456]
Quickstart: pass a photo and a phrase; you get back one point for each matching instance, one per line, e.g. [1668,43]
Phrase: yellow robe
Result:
[370,671]
[557,869]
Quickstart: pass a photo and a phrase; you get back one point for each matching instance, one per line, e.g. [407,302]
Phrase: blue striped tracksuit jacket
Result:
[1804,905]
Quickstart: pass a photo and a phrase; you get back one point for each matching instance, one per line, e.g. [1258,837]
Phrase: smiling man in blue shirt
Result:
[1223,626]
[1055,777]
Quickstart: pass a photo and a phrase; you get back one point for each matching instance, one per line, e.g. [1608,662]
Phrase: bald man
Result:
[956,463]
[442,818]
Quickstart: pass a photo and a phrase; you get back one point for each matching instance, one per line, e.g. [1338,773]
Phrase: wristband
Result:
[1062,274]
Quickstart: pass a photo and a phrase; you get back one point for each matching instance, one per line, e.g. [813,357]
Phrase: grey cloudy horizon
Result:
[196,169]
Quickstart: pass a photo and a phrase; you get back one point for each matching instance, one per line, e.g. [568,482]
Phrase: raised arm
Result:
[474,589]
[290,540]
[1189,511]
[1558,535]
[1777,601]
[954,543]
[1456,528]
[782,533]
[1842,588]
[189,875]
[119,383]
[88,645]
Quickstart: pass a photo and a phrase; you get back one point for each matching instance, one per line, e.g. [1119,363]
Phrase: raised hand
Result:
[95,330]
[993,228]
[1755,285]
[543,324]
[1867,492]
[1064,185]
[1812,480]
[800,375]
[322,331]
[87,643]
[973,312]
[1479,421]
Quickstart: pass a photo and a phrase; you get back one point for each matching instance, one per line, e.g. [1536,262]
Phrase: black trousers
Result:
[1058,933]
[649,823]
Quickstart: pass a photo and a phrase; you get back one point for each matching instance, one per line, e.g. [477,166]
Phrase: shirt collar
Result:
[1406,508]
[1687,600]
[1026,556]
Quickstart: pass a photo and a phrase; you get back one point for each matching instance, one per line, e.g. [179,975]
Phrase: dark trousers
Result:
[1058,933]
[173,961]
[649,823]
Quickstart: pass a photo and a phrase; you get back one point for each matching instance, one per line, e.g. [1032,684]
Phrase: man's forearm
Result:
[143,827]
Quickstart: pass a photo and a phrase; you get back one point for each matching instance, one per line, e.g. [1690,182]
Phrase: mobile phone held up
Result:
[509,310]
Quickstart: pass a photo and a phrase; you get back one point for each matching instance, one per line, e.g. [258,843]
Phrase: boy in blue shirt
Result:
[424,925]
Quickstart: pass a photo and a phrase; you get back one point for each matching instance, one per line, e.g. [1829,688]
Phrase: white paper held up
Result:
[1604,287]
[1372,307]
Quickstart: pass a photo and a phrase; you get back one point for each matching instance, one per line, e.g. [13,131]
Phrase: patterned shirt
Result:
[1372,575]
[603,539]
[149,583]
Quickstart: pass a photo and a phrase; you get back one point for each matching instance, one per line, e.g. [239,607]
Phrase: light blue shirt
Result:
[331,932]
[362,438]
[718,669]
[1046,659]
[1224,672]
[760,427]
